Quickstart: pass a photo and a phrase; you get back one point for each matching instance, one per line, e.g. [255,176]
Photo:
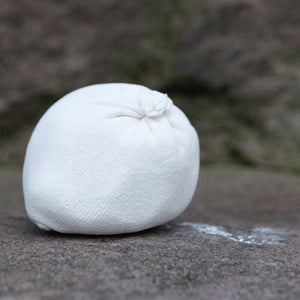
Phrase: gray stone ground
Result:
[239,239]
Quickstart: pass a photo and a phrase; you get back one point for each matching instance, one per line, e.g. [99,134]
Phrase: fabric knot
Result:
[153,104]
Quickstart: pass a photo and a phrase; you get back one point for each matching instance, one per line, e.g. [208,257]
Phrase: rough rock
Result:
[239,239]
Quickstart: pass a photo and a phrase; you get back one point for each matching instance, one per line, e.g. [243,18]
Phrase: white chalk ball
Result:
[109,159]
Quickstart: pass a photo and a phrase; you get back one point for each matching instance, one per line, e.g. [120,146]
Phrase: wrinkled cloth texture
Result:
[110,159]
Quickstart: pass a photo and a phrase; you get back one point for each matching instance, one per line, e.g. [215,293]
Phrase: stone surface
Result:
[232,65]
[239,239]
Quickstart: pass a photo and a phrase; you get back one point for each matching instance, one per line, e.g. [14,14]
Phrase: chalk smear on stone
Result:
[257,236]
[207,229]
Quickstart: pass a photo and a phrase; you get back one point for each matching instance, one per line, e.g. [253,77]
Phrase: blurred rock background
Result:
[233,66]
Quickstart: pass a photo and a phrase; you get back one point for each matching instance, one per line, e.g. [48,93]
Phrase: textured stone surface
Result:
[253,253]
[232,65]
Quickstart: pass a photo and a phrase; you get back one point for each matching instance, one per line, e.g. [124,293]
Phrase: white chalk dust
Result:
[257,235]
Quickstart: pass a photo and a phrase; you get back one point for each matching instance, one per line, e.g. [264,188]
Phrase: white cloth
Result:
[109,159]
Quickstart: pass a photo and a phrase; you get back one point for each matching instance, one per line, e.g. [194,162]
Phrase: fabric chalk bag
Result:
[110,159]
